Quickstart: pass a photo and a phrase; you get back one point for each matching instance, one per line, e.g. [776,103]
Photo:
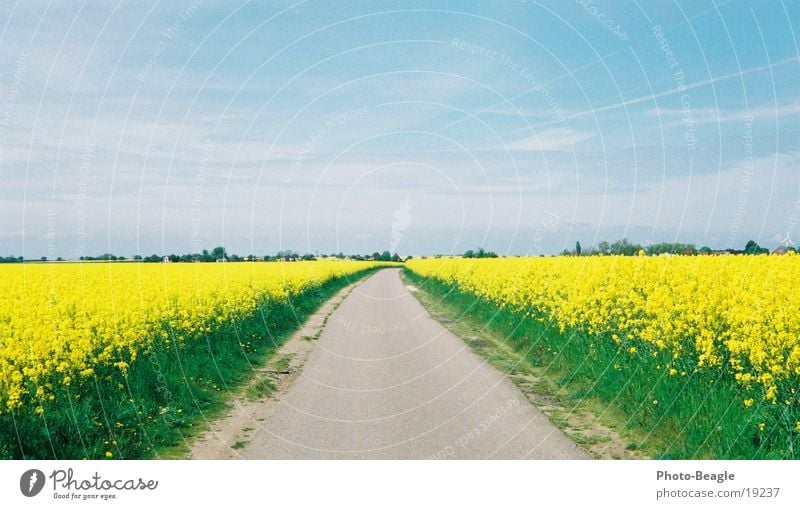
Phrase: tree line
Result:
[626,248]
[220,254]
[480,253]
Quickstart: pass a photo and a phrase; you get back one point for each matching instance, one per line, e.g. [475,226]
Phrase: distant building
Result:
[165,259]
[781,250]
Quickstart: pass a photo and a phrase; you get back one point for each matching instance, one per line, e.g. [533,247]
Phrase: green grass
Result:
[263,388]
[282,365]
[168,394]
[696,415]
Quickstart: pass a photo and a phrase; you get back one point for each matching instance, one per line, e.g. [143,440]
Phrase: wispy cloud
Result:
[551,140]
[719,116]
[682,89]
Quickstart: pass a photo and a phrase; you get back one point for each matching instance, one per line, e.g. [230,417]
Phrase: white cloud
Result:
[747,199]
[551,140]
[716,115]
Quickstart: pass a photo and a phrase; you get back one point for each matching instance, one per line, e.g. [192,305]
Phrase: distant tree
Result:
[308,257]
[705,250]
[218,253]
[578,248]
[672,248]
[137,258]
[604,247]
[480,253]
[752,248]
[43,258]
[625,248]
[153,259]
[287,255]
[396,258]
[174,258]
[59,259]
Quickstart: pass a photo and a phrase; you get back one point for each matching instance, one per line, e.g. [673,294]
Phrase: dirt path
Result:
[385,380]
[228,435]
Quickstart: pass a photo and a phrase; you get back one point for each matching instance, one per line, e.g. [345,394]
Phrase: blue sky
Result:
[420,127]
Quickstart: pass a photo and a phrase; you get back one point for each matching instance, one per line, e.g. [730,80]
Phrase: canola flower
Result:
[59,322]
[736,314]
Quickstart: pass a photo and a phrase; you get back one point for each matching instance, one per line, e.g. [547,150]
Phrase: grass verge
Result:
[601,395]
[169,393]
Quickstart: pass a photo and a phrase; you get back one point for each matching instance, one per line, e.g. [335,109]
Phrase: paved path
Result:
[386,381]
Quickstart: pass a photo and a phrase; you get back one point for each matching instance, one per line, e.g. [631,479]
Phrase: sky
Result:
[416,127]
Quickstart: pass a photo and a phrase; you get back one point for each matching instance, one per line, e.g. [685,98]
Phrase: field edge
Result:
[551,368]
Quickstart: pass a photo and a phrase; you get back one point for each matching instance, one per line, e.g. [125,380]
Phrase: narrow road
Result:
[386,381]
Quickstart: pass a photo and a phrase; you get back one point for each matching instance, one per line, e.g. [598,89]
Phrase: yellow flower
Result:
[109,454]
[79,319]
[718,313]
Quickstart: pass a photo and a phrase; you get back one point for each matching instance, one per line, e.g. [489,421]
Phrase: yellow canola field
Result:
[740,314]
[61,321]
